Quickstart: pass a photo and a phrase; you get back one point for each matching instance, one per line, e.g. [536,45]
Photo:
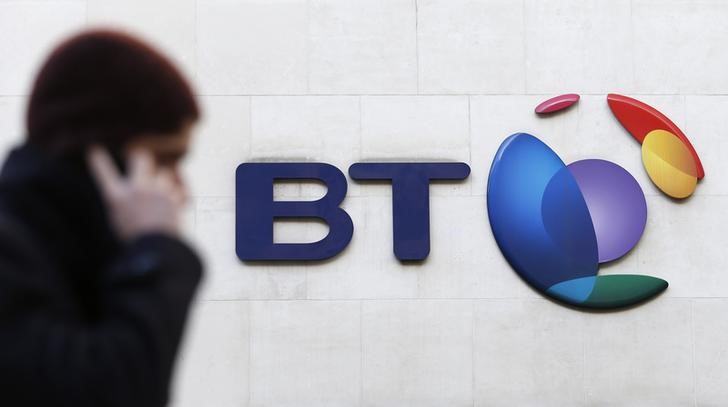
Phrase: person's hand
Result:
[147,201]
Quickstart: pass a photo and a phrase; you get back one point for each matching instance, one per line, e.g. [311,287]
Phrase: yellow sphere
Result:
[669,163]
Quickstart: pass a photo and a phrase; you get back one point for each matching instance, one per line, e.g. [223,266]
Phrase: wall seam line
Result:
[417,46]
[692,332]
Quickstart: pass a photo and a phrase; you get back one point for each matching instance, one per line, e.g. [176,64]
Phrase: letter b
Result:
[256,211]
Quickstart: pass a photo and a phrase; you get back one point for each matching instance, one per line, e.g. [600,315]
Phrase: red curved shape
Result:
[557,103]
[639,118]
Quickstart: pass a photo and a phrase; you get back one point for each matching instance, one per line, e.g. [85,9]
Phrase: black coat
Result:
[85,320]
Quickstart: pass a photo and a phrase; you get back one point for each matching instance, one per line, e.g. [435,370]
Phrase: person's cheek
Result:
[180,183]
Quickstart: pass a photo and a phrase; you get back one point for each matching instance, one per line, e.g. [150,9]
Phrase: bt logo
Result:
[255,209]
[554,223]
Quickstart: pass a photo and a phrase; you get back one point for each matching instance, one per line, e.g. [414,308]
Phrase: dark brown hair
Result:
[105,87]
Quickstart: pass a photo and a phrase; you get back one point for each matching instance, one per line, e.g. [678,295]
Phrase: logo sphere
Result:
[555,223]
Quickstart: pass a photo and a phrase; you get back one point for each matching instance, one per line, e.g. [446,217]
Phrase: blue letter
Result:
[256,210]
[410,199]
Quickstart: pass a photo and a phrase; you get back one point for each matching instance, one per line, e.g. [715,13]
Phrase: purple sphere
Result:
[616,204]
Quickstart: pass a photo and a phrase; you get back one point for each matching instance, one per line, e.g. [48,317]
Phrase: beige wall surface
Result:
[353,80]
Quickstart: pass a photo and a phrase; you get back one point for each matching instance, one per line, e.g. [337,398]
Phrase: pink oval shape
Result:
[557,103]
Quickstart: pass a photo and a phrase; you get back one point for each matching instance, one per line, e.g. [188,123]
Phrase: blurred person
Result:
[95,283]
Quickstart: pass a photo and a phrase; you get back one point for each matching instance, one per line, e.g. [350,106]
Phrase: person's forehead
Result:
[175,141]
